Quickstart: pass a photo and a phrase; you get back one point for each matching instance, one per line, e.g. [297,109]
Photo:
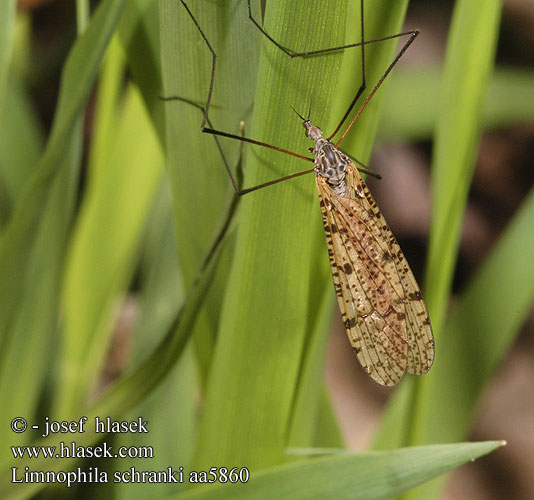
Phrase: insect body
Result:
[381,305]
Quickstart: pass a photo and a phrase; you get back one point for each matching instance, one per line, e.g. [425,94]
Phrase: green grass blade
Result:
[310,402]
[366,476]
[479,333]
[327,431]
[104,245]
[139,35]
[199,185]
[171,411]
[485,322]
[82,15]
[162,291]
[264,319]
[304,424]
[21,144]
[33,243]
[107,104]
[468,67]
[171,408]
[77,80]
[132,388]
[7,20]
[34,321]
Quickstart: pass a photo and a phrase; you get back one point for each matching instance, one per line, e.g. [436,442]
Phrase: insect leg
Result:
[210,130]
[362,43]
[377,86]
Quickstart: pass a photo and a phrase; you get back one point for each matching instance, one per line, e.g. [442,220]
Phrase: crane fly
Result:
[380,302]
[382,308]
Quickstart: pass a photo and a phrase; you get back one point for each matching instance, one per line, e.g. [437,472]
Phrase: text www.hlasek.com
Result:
[72,450]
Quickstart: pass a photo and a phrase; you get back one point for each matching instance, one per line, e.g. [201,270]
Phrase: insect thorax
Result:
[331,164]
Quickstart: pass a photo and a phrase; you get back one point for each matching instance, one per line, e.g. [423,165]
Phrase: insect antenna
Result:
[299,115]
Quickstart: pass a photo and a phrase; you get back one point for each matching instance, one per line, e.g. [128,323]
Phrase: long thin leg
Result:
[363,84]
[210,130]
[236,184]
[292,53]
[362,43]
[213,63]
[363,167]
[377,86]
[233,180]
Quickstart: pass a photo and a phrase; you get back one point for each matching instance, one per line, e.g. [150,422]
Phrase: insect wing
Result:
[419,329]
[381,305]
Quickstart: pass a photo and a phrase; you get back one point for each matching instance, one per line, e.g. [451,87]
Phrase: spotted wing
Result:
[381,304]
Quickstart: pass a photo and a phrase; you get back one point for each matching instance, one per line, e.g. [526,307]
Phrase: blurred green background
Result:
[132,282]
